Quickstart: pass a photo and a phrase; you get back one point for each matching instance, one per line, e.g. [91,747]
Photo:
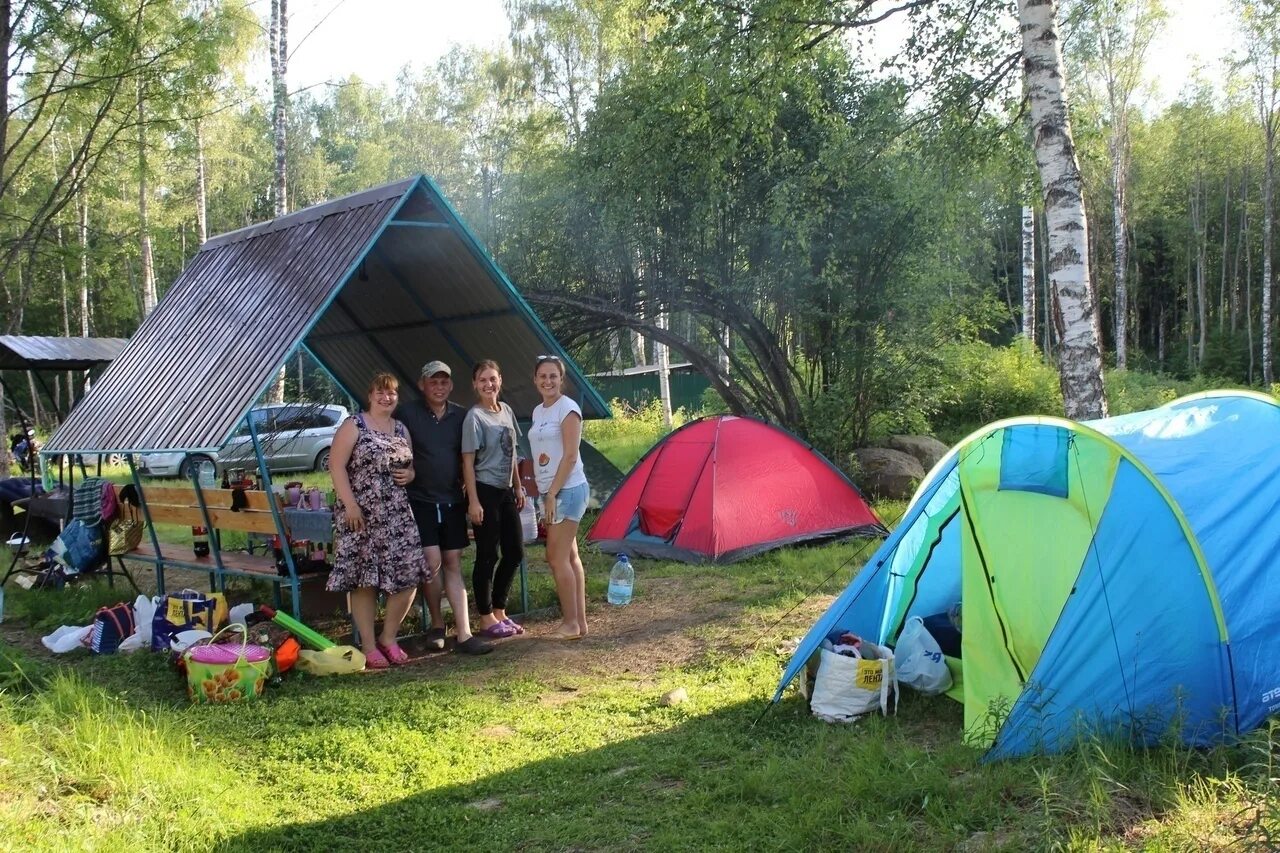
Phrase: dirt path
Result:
[672,622]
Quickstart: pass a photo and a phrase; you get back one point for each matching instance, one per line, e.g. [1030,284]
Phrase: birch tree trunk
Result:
[1259,23]
[1200,228]
[1029,273]
[1267,203]
[279,39]
[66,310]
[724,350]
[202,203]
[1119,189]
[84,266]
[280,96]
[664,373]
[1080,361]
[1226,231]
[144,227]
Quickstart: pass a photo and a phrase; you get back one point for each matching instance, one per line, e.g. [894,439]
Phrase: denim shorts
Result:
[571,503]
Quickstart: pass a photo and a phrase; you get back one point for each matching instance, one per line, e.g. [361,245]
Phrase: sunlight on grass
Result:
[562,748]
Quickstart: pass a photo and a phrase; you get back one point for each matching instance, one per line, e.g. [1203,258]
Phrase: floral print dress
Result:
[387,554]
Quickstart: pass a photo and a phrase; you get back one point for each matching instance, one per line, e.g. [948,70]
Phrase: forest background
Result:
[843,236]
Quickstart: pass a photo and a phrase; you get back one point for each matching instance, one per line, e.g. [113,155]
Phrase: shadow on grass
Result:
[713,781]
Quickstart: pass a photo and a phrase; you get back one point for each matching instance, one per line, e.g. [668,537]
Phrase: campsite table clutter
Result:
[224,654]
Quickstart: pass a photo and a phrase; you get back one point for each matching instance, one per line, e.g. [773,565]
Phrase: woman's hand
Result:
[475,512]
[549,507]
[402,476]
[354,518]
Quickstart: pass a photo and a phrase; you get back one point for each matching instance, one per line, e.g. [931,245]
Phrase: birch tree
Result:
[1080,356]
[278,38]
[1029,273]
[1116,35]
[1260,29]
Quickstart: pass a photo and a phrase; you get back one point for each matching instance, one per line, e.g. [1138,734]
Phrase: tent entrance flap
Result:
[667,491]
[1023,550]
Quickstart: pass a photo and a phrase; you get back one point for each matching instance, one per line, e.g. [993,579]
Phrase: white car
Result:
[294,437]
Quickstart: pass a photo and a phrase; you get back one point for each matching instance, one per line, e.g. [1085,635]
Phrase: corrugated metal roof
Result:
[34,352]
[386,279]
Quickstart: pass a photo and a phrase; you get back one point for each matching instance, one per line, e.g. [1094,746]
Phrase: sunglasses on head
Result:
[554,358]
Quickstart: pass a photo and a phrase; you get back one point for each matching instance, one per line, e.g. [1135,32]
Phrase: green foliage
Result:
[1134,391]
[629,433]
[980,384]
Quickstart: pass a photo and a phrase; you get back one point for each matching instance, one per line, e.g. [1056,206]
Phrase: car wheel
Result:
[184,470]
[322,460]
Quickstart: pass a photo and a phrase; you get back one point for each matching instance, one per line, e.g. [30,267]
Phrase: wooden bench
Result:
[211,509]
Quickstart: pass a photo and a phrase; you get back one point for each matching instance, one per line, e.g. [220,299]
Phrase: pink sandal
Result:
[374,659]
[394,653]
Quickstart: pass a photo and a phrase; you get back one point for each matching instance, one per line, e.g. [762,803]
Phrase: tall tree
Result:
[1260,28]
[1080,354]
[1115,36]
[1029,273]
[279,50]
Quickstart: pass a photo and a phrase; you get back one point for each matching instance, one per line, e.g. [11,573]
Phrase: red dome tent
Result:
[724,488]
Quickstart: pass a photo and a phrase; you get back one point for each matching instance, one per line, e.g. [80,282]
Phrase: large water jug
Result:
[621,581]
[208,474]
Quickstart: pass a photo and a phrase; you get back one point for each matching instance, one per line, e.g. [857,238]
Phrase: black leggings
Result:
[501,528]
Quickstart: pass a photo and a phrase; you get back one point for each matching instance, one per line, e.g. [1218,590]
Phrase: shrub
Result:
[1135,391]
[981,383]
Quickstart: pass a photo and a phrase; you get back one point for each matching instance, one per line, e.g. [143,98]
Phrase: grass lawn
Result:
[553,746]
[548,745]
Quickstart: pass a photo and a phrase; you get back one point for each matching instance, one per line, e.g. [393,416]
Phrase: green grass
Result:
[575,752]
[104,753]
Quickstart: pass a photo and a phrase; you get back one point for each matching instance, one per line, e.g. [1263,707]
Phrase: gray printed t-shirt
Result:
[491,436]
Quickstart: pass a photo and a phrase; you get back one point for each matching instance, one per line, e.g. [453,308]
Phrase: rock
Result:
[674,697]
[888,473]
[926,449]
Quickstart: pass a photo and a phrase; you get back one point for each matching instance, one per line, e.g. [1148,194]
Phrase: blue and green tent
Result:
[1119,576]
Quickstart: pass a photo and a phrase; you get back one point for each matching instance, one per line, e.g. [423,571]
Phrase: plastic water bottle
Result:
[621,579]
[208,474]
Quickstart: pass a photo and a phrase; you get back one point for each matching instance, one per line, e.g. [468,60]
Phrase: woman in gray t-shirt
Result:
[494,499]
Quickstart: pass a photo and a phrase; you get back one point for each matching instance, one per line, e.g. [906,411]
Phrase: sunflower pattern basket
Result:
[219,674]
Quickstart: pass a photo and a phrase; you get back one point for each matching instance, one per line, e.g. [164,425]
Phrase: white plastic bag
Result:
[131,643]
[240,614]
[68,638]
[846,688]
[920,663]
[144,610]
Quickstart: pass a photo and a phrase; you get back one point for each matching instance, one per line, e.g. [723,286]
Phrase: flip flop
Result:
[394,653]
[374,659]
[514,624]
[498,631]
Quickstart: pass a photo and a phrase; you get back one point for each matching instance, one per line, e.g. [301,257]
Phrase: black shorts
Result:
[442,526]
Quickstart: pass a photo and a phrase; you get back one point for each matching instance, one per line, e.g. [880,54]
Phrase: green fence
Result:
[686,389]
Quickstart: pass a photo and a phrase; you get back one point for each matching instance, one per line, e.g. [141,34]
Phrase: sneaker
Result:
[474,646]
[435,639]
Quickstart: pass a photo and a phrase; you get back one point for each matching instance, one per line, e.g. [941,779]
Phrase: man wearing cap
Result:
[435,493]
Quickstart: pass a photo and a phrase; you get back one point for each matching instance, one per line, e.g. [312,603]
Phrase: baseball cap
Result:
[431,368]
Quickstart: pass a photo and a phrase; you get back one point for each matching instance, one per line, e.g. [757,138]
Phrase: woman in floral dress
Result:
[377,550]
